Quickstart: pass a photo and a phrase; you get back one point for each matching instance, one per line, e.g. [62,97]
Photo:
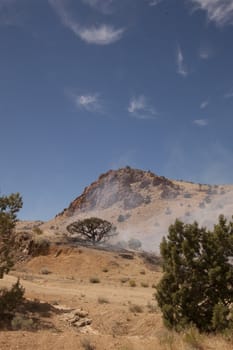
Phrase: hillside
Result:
[123,315]
[142,205]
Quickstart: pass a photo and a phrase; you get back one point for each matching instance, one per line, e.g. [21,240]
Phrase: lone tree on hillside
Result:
[9,207]
[197,285]
[92,230]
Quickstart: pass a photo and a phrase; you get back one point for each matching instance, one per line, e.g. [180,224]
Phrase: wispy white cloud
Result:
[204,104]
[229,94]
[181,68]
[140,109]
[154,2]
[104,6]
[205,53]
[200,122]
[219,11]
[102,35]
[89,102]
[99,35]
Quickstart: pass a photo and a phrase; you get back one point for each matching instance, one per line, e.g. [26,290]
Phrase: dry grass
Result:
[136,308]
[87,345]
[103,300]
[132,283]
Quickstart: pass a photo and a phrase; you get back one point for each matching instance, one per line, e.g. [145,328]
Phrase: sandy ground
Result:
[115,324]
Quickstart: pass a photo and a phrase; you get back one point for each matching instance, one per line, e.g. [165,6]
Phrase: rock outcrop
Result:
[127,187]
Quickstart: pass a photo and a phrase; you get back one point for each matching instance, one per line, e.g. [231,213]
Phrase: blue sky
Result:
[89,85]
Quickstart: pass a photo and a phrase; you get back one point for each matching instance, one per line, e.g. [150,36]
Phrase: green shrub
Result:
[10,299]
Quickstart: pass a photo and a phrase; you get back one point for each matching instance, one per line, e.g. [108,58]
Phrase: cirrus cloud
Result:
[200,122]
[102,35]
[88,102]
[181,67]
[140,109]
[98,35]
[218,11]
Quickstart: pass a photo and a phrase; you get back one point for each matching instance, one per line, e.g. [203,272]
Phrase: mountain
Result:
[142,204]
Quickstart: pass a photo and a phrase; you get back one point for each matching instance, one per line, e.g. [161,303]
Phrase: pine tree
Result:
[9,207]
[197,285]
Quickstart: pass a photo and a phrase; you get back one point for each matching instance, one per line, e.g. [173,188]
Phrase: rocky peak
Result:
[126,187]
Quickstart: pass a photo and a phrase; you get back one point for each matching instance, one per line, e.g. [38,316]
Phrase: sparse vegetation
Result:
[87,345]
[152,260]
[136,308]
[187,195]
[45,271]
[124,279]
[134,244]
[193,338]
[207,199]
[121,244]
[132,283]
[94,279]
[147,200]
[167,340]
[152,308]
[22,323]
[37,230]
[122,218]
[144,284]
[103,300]
[168,211]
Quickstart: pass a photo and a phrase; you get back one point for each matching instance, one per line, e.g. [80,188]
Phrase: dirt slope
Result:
[116,324]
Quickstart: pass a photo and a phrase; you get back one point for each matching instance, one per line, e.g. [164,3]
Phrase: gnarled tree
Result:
[91,230]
